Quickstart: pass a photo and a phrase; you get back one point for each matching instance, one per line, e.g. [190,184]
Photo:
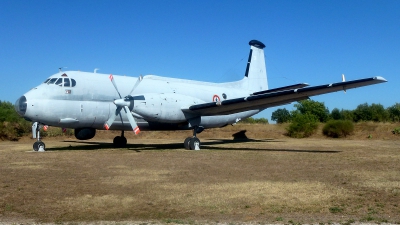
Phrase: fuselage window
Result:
[66,82]
[52,80]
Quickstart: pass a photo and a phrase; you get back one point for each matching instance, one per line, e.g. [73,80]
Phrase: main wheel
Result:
[116,140]
[119,142]
[186,143]
[123,141]
[37,145]
[194,143]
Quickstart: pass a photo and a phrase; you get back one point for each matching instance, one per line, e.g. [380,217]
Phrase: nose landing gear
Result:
[38,145]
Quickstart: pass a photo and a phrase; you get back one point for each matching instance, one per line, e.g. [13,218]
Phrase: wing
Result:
[266,99]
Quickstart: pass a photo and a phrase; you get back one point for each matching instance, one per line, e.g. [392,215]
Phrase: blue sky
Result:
[306,41]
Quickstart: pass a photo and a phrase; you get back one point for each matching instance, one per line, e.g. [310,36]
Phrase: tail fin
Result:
[256,73]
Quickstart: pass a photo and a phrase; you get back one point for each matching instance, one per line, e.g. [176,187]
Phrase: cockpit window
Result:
[52,80]
[62,82]
[59,82]
[46,80]
[66,82]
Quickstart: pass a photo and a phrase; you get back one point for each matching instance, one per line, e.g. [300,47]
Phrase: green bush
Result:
[394,112]
[373,112]
[12,126]
[396,130]
[318,109]
[12,131]
[281,116]
[338,128]
[251,120]
[262,121]
[303,125]
[56,132]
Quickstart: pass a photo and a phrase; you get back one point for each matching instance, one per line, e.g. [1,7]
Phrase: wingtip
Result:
[380,78]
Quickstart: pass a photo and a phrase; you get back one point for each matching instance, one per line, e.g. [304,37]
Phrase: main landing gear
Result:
[193,143]
[190,143]
[38,145]
[120,141]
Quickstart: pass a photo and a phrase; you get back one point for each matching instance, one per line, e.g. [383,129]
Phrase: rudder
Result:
[256,74]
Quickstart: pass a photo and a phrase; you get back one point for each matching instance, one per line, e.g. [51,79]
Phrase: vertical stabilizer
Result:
[256,73]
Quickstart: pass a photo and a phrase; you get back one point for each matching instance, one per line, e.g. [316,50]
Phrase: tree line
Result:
[303,120]
[338,123]
[363,112]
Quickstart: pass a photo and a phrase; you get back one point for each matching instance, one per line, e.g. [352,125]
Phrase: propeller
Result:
[123,103]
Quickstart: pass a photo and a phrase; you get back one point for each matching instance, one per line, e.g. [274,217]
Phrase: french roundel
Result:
[216,98]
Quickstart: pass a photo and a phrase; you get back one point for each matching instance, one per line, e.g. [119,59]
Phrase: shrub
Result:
[251,120]
[338,128]
[396,130]
[315,108]
[335,114]
[56,132]
[12,131]
[303,125]
[12,126]
[394,112]
[373,112]
[262,121]
[281,116]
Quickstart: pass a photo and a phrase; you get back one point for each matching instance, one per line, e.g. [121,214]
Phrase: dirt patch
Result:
[266,178]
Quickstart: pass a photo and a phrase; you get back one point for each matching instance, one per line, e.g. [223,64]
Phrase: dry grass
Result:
[268,178]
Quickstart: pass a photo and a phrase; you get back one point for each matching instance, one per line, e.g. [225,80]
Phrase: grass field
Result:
[267,178]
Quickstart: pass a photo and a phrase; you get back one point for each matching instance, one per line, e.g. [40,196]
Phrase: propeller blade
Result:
[132,121]
[123,103]
[115,85]
[140,78]
[110,121]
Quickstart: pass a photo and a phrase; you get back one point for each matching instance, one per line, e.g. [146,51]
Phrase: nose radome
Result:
[20,105]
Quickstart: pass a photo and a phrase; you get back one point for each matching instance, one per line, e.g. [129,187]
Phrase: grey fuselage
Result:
[85,100]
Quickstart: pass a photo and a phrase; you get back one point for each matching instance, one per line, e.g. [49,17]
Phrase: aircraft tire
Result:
[116,140]
[37,145]
[186,143]
[193,143]
[123,141]
[119,142]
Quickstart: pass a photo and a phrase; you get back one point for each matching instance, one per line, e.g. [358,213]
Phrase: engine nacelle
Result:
[85,133]
[165,108]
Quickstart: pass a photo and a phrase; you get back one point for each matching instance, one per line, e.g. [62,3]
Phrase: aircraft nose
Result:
[20,106]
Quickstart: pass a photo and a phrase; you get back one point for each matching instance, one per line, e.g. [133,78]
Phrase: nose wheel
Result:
[39,146]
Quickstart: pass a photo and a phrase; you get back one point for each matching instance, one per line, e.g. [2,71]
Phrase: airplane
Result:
[87,102]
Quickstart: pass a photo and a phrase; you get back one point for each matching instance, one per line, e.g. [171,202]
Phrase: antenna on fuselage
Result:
[95,70]
[60,69]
